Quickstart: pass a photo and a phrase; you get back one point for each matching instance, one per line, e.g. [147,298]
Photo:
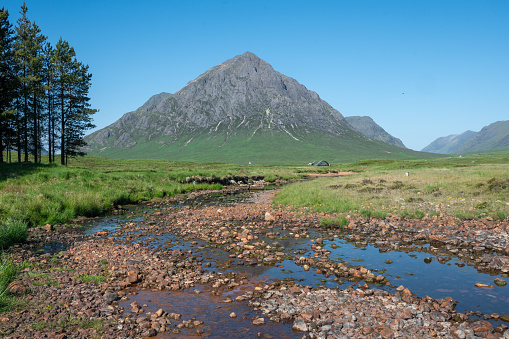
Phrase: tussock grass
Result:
[11,232]
[467,192]
[8,272]
[93,278]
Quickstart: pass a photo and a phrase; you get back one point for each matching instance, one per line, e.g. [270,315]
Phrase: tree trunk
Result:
[1,148]
[25,129]
[62,130]
[36,130]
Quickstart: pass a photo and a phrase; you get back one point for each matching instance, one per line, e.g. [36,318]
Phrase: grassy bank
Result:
[37,194]
[467,188]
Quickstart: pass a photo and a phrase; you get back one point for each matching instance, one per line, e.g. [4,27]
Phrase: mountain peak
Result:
[249,54]
[241,108]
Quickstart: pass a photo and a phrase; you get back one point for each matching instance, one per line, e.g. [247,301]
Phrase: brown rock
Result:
[406,315]
[269,217]
[174,316]
[483,285]
[385,333]
[306,316]
[481,326]
[132,277]
[259,321]
[367,329]
[149,333]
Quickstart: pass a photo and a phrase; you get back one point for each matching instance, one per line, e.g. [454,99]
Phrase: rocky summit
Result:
[239,111]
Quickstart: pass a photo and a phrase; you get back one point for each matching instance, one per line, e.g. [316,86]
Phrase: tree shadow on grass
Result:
[17,170]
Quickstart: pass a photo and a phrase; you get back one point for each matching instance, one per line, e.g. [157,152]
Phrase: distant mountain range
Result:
[244,111]
[491,138]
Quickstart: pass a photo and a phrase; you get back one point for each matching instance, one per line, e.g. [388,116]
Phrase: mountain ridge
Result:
[368,127]
[491,138]
[229,113]
[448,144]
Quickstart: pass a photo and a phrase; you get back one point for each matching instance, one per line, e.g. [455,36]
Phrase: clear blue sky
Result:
[449,58]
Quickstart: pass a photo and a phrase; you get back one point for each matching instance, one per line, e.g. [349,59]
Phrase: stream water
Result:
[409,269]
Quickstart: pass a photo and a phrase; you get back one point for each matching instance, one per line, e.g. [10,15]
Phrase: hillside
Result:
[372,130]
[448,144]
[491,138]
[240,111]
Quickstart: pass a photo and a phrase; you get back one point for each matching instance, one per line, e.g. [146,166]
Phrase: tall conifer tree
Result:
[8,82]
[29,57]
[49,84]
[43,93]
[72,84]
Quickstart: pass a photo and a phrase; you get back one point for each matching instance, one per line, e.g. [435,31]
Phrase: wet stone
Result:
[149,333]
[500,282]
[258,321]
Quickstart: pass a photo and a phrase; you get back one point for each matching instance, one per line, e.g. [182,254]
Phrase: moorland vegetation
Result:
[32,194]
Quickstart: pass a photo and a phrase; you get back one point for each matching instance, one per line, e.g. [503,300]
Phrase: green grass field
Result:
[37,194]
[468,187]
[264,149]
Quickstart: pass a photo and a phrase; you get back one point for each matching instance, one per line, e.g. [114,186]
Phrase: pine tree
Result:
[49,84]
[29,57]
[8,82]
[43,93]
[72,84]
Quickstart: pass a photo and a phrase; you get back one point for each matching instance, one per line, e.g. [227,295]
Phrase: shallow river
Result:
[408,269]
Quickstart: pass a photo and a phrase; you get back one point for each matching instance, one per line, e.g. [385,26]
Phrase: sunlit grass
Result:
[38,194]
[463,192]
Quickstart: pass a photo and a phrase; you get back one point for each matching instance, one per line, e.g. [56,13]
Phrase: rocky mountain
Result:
[448,144]
[491,138]
[239,111]
[372,130]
